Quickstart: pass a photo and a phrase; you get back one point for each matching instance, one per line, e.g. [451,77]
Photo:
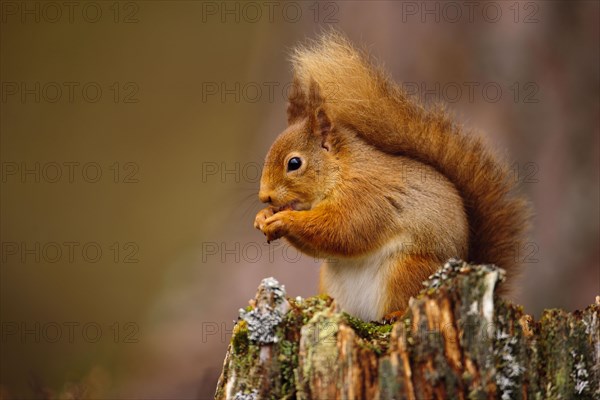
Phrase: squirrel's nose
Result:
[264,196]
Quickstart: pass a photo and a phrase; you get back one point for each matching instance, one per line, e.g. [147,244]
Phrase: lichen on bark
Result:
[457,339]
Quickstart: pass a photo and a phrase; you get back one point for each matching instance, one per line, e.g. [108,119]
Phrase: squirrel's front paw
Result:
[261,217]
[276,226]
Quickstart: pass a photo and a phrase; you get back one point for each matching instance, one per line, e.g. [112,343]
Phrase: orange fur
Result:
[385,185]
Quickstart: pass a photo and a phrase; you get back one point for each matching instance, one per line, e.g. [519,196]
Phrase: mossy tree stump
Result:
[456,340]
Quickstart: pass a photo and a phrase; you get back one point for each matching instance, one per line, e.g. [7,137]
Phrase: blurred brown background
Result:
[132,135]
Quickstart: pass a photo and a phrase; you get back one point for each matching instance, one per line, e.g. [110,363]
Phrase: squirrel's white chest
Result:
[359,285]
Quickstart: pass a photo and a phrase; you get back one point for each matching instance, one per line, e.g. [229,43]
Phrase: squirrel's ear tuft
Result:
[302,106]
[319,121]
[298,103]
[314,96]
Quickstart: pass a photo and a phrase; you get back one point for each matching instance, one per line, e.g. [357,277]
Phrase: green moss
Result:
[287,356]
[375,336]
[310,306]
[250,372]
[244,366]
[244,358]
[240,340]
[368,330]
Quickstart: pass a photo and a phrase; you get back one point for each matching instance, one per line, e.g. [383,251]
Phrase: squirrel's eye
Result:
[294,163]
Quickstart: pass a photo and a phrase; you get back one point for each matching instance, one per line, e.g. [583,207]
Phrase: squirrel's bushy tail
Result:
[359,94]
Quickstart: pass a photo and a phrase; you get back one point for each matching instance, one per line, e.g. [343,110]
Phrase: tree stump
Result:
[457,339]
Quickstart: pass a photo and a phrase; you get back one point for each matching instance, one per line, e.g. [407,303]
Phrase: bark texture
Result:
[457,340]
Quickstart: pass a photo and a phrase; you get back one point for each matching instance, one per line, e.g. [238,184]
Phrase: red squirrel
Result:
[381,188]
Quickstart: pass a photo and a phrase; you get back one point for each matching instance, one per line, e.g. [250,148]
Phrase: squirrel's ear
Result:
[319,122]
[298,103]
[301,106]
[320,125]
